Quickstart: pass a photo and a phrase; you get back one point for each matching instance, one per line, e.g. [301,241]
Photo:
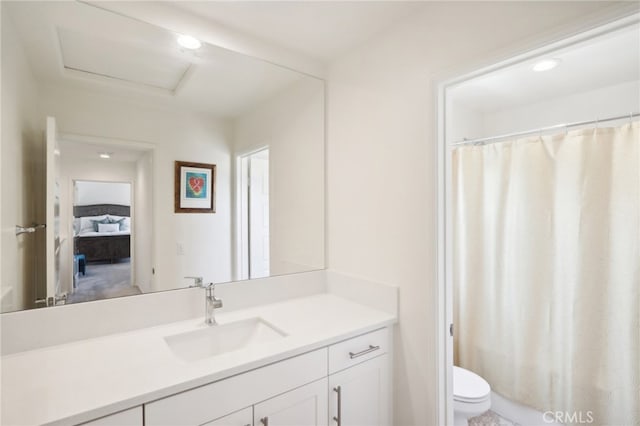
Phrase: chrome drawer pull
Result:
[364,352]
[338,418]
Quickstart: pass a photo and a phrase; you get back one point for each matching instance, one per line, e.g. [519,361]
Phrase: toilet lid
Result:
[468,386]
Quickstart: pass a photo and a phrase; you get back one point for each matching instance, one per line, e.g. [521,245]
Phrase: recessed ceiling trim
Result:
[184,79]
[101,57]
[94,75]
[114,81]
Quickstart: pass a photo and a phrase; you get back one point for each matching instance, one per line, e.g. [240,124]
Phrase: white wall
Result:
[91,192]
[22,181]
[620,99]
[611,101]
[291,124]
[601,102]
[463,122]
[382,159]
[205,238]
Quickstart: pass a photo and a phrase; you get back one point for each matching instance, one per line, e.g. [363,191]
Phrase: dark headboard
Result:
[100,209]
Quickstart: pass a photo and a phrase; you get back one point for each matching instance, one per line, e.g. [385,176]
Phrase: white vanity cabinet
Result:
[213,401]
[305,406]
[359,383]
[360,394]
[297,391]
[239,418]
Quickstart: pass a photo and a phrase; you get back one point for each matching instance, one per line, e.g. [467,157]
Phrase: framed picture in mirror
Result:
[195,187]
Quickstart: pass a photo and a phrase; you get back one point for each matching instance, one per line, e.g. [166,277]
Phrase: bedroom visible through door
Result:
[102,234]
[254,214]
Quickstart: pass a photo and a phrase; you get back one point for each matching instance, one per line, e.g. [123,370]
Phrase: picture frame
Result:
[194,187]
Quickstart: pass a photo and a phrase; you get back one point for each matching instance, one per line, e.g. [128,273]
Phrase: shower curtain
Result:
[547,271]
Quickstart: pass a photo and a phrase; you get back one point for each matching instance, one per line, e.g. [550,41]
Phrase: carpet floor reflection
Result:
[104,281]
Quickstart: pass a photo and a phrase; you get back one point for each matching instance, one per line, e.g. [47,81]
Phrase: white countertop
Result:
[80,381]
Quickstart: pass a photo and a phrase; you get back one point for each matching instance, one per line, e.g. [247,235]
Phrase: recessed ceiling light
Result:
[105,155]
[189,42]
[546,64]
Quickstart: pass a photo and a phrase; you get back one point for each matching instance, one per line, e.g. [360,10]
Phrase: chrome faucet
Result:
[197,281]
[211,304]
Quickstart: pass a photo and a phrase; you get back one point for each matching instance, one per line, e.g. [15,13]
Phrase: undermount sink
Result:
[218,339]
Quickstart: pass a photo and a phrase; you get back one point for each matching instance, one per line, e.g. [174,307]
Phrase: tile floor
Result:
[490,418]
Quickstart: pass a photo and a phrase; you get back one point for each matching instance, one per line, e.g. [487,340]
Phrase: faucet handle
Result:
[211,288]
[197,281]
[217,302]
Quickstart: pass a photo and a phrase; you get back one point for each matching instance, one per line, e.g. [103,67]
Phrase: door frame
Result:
[134,145]
[611,20]
[238,272]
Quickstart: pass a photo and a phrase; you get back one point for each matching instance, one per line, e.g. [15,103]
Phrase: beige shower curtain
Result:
[547,271]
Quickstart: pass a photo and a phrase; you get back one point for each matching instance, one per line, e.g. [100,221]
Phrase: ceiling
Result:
[74,45]
[602,62]
[84,150]
[323,30]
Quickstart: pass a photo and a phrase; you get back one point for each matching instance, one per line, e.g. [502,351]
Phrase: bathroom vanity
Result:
[301,347]
[293,391]
[320,359]
[293,344]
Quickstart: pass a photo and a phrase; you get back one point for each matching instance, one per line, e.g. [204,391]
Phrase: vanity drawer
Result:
[206,403]
[361,348]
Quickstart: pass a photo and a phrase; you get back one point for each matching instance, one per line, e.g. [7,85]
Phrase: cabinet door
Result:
[304,406]
[206,403]
[359,395]
[239,418]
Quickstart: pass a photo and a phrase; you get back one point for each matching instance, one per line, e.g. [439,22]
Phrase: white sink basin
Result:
[218,339]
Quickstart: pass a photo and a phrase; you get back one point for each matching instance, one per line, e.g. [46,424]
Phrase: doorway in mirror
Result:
[102,232]
[254,214]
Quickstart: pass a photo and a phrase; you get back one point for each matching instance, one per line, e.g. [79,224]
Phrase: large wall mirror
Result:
[97,110]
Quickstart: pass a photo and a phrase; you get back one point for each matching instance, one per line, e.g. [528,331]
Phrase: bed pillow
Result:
[97,223]
[86,223]
[108,227]
[118,222]
[123,221]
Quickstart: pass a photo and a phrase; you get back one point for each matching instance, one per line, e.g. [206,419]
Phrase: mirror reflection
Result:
[97,109]
[102,236]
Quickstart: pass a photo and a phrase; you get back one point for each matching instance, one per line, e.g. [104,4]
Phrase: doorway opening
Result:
[102,229]
[472,118]
[254,214]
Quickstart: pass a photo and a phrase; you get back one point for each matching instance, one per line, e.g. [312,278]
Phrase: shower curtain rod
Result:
[482,141]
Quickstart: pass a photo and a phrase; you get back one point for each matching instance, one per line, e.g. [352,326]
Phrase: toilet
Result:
[471,396]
